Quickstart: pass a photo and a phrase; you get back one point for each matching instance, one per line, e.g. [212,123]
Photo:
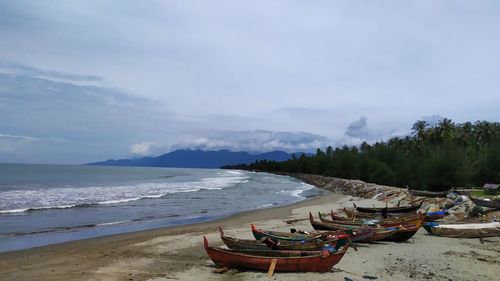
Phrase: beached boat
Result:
[352,213]
[402,234]
[389,210]
[353,221]
[388,222]
[356,233]
[485,203]
[465,230]
[290,261]
[395,232]
[429,216]
[271,244]
[296,236]
[425,193]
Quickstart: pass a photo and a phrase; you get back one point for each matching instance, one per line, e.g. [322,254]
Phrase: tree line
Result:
[434,157]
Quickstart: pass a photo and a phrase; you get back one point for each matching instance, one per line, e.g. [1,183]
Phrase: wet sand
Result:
[176,253]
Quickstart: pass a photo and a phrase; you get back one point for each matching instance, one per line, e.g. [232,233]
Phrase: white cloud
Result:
[148,148]
[17,138]
[254,141]
[433,120]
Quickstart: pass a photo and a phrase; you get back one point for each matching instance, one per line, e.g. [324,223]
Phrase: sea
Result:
[48,204]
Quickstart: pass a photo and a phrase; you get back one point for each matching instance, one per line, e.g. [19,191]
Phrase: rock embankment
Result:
[459,207]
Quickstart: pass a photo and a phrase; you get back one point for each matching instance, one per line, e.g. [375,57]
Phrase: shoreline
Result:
[206,199]
[229,220]
[176,253]
[96,250]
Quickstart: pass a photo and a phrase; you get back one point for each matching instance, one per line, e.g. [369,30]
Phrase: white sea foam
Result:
[112,223]
[17,201]
[297,191]
[264,206]
[13,211]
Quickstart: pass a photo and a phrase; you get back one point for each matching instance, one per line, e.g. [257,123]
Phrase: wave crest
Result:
[19,201]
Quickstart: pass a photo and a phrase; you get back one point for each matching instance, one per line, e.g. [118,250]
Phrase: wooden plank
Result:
[271,268]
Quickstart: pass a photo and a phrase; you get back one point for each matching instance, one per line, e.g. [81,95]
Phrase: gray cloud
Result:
[360,130]
[84,123]
[20,69]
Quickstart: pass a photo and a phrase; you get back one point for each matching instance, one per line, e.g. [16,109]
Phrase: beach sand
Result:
[177,253]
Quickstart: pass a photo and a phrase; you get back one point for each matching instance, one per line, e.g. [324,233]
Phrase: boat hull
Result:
[401,235]
[406,221]
[475,230]
[429,194]
[389,210]
[485,203]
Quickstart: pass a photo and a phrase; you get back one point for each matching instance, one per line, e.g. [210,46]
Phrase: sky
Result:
[83,81]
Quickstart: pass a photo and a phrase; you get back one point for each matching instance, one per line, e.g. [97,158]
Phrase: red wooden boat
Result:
[291,261]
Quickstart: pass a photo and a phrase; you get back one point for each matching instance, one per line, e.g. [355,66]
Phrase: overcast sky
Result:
[89,80]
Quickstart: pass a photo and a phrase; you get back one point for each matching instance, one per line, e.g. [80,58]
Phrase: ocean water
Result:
[46,204]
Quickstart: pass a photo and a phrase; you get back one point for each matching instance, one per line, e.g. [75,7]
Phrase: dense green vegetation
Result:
[433,157]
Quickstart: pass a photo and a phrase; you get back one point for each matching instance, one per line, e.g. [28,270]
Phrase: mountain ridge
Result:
[197,158]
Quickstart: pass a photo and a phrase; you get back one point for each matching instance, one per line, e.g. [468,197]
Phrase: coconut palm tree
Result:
[419,129]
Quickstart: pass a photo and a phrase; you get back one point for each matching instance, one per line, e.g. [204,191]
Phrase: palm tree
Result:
[484,132]
[419,129]
[446,128]
[465,134]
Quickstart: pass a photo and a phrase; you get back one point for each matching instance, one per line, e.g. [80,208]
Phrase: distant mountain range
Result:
[199,159]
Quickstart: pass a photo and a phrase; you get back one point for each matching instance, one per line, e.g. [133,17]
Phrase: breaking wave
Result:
[19,201]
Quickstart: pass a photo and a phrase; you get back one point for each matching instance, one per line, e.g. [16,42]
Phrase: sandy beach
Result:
[177,253]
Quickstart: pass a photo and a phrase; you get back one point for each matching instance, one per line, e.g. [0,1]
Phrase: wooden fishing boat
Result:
[389,210]
[429,216]
[297,236]
[322,225]
[407,221]
[271,244]
[486,203]
[402,234]
[430,194]
[356,233]
[352,213]
[465,230]
[395,232]
[344,220]
[291,261]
